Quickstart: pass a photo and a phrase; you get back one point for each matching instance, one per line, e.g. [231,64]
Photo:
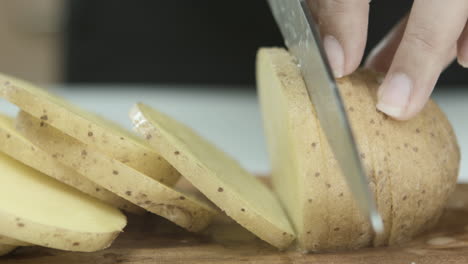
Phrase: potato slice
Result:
[215,174]
[412,166]
[18,147]
[89,128]
[40,210]
[6,249]
[12,242]
[116,176]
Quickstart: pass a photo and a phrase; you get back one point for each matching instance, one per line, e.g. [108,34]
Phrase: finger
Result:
[380,58]
[432,30]
[343,27]
[463,48]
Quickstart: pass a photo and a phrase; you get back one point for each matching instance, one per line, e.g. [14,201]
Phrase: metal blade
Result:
[301,36]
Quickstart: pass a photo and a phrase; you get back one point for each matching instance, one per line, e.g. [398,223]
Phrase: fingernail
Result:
[335,55]
[394,94]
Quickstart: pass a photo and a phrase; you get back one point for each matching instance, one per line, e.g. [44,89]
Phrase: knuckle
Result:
[424,38]
[340,6]
[328,11]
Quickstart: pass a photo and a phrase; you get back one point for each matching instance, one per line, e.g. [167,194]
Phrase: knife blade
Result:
[302,39]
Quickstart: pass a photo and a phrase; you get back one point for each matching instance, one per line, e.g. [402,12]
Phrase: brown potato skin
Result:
[88,128]
[239,194]
[55,237]
[117,177]
[18,147]
[412,166]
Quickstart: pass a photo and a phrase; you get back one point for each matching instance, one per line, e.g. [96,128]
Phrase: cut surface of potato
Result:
[18,147]
[12,242]
[87,127]
[6,249]
[40,210]
[117,177]
[237,192]
[412,166]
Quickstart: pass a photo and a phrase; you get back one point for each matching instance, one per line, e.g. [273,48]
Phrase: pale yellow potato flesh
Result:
[18,147]
[6,249]
[117,177]
[412,166]
[40,210]
[238,193]
[87,127]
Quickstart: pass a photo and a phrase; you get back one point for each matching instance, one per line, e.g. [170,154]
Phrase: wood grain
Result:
[151,239]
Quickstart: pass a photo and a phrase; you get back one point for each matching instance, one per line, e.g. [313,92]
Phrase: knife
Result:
[302,38]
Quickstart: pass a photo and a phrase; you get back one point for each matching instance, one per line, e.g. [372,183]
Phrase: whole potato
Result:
[412,166]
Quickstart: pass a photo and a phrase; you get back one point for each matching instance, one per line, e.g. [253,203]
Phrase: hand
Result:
[413,54]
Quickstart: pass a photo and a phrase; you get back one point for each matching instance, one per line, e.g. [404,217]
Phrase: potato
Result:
[40,210]
[117,177]
[215,174]
[12,242]
[89,128]
[18,147]
[6,249]
[412,166]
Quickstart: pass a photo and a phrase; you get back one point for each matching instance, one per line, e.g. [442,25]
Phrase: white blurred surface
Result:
[227,116]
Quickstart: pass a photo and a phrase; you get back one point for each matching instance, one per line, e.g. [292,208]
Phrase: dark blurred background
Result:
[177,41]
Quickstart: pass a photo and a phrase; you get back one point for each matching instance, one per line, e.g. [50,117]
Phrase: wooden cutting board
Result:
[151,239]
